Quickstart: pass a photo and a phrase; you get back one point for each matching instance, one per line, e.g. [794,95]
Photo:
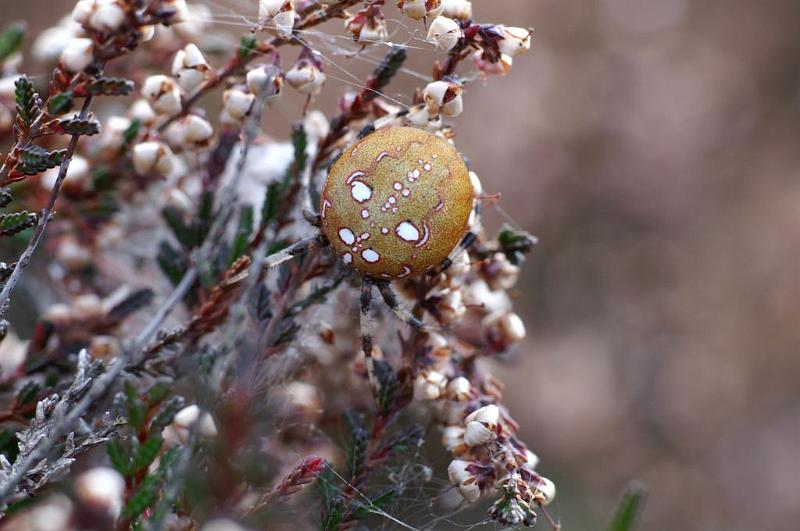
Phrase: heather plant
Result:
[204,353]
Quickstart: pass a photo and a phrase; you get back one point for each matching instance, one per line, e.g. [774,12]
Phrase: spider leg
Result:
[366,325]
[293,250]
[387,120]
[402,313]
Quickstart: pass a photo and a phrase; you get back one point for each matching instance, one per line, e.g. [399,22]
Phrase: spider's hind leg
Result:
[366,326]
[400,311]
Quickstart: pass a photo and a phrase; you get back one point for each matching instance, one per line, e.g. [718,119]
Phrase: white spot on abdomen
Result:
[370,255]
[407,231]
[365,213]
[382,154]
[347,258]
[347,236]
[353,176]
[361,192]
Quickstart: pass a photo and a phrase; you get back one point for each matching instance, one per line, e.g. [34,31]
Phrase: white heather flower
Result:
[453,439]
[459,9]
[277,15]
[499,68]
[153,156]
[237,103]
[190,67]
[100,15]
[429,384]
[198,130]
[180,8]
[488,415]
[419,117]
[77,55]
[444,32]
[113,135]
[503,329]
[51,42]
[477,187]
[452,306]
[101,488]
[306,78]
[265,78]
[194,21]
[76,177]
[545,492]
[477,433]
[443,97]
[368,25]
[143,111]
[163,94]
[179,430]
[13,352]
[531,460]
[457,471]
[419,9]
[459,389]
[516,41]
[104,348]
[147,32]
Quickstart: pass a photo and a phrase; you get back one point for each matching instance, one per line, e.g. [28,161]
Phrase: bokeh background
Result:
[654,148]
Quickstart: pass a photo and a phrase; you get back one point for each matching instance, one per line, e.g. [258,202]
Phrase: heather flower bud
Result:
[443,97]
[237,103]
[190,68]
[100,15]
[429,384]
[153,156]
[77,55]
[419,9]
[458,9]
[198,130]
[306,76]
[265,78]
[101,488]
[515,41]
[502,330]
[76,179]
[444,32]
[71,254]
[459,389]
[545,492]
[163,94]
[277,15]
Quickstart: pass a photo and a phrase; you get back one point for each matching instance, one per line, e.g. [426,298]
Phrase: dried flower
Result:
[237,103]
[190,68]
[502,330]
[500,67]
[163,94]
[515,41]
[444,32]
[100,15]
[458,9]
[429,385]
[277,15]
[153,156]
[178,432]
[306,75]
[459,389]
[368,25]
[420,9]
[443,97]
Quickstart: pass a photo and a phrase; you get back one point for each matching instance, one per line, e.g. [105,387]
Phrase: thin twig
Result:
[44,216]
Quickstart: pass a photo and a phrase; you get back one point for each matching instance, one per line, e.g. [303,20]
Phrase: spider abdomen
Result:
[397,202]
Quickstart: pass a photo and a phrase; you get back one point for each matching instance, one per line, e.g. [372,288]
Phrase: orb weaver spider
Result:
[398,203]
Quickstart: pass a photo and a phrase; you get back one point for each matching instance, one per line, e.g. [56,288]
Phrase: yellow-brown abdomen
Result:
[397,202]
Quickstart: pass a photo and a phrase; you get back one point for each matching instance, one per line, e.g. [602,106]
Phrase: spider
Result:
[399,203]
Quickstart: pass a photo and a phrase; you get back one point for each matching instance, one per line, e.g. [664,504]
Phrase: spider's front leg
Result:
[293,250]
[402,313]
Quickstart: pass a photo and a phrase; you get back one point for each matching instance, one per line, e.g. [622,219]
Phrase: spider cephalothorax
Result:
[396,203]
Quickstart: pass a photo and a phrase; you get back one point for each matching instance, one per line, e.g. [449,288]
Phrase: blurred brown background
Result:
[653,146]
